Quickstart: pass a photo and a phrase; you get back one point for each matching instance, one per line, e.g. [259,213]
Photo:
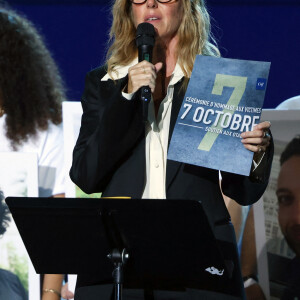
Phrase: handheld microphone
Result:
[145,38]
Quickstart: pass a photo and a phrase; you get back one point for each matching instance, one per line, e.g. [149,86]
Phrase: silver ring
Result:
[267,135]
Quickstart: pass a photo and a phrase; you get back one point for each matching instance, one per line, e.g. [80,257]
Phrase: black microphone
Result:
[145,38]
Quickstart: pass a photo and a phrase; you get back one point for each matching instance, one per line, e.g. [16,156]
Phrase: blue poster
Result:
[224,98]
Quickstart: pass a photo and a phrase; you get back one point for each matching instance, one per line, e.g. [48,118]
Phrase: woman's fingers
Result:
[258,139]
[142,74]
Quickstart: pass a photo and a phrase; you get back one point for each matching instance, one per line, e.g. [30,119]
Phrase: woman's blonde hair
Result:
[194,35]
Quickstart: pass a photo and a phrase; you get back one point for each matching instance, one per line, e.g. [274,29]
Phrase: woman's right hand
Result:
[143,74]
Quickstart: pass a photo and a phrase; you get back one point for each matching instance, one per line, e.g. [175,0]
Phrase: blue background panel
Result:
[77,32]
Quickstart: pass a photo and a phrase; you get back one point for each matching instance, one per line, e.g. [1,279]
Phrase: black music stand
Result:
[166,243]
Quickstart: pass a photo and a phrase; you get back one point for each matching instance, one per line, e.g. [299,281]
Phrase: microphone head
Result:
[145,34]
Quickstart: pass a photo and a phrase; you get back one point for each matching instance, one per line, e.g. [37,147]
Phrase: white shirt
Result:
[157,135]
[48,145]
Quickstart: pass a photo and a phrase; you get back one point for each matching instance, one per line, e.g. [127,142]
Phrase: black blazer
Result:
[109,157]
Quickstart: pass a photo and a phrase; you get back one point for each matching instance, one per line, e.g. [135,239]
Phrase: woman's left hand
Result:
[257,140]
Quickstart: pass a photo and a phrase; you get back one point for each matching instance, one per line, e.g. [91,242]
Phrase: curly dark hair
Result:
[292,148]
[31,88]
[4,215]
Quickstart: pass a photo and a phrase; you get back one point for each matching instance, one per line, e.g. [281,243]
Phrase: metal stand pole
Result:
[118,259]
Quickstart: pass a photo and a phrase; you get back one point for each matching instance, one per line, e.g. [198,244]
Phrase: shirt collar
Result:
[176,75]
[122,71]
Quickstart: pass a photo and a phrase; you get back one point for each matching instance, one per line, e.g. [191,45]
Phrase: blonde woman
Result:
[117,153]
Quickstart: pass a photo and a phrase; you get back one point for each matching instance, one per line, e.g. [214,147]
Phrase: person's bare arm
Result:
[52,285]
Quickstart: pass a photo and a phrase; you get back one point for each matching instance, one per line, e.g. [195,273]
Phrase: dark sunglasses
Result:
[144,1]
